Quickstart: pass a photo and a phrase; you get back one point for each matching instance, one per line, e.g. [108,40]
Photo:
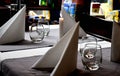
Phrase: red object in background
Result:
[80,2]
[4,2]
[7,1]
[96,6]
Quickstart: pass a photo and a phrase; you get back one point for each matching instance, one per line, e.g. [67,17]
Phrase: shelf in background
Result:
[38,8]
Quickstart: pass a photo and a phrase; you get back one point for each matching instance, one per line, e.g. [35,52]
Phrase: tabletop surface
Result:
[107,68]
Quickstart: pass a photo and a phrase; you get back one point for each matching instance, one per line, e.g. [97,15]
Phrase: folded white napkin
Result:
[14,29]
[66,22]
[63,56]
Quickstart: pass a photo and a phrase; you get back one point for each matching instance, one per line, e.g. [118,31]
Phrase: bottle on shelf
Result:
[42,2]
[51,3]
[66,5]
[72,9]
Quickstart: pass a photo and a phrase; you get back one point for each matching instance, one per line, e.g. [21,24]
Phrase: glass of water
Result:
[92,56]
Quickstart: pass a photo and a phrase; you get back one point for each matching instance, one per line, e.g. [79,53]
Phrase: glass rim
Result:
[97,45]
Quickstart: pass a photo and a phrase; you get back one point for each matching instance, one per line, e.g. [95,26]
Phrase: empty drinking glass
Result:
[36,33]
[85,40]
[45,24]
[92,56]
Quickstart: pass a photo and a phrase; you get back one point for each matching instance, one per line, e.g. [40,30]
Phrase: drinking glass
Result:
[36,33]
[92,56]
[47,29]
[85,40]
[45,24]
